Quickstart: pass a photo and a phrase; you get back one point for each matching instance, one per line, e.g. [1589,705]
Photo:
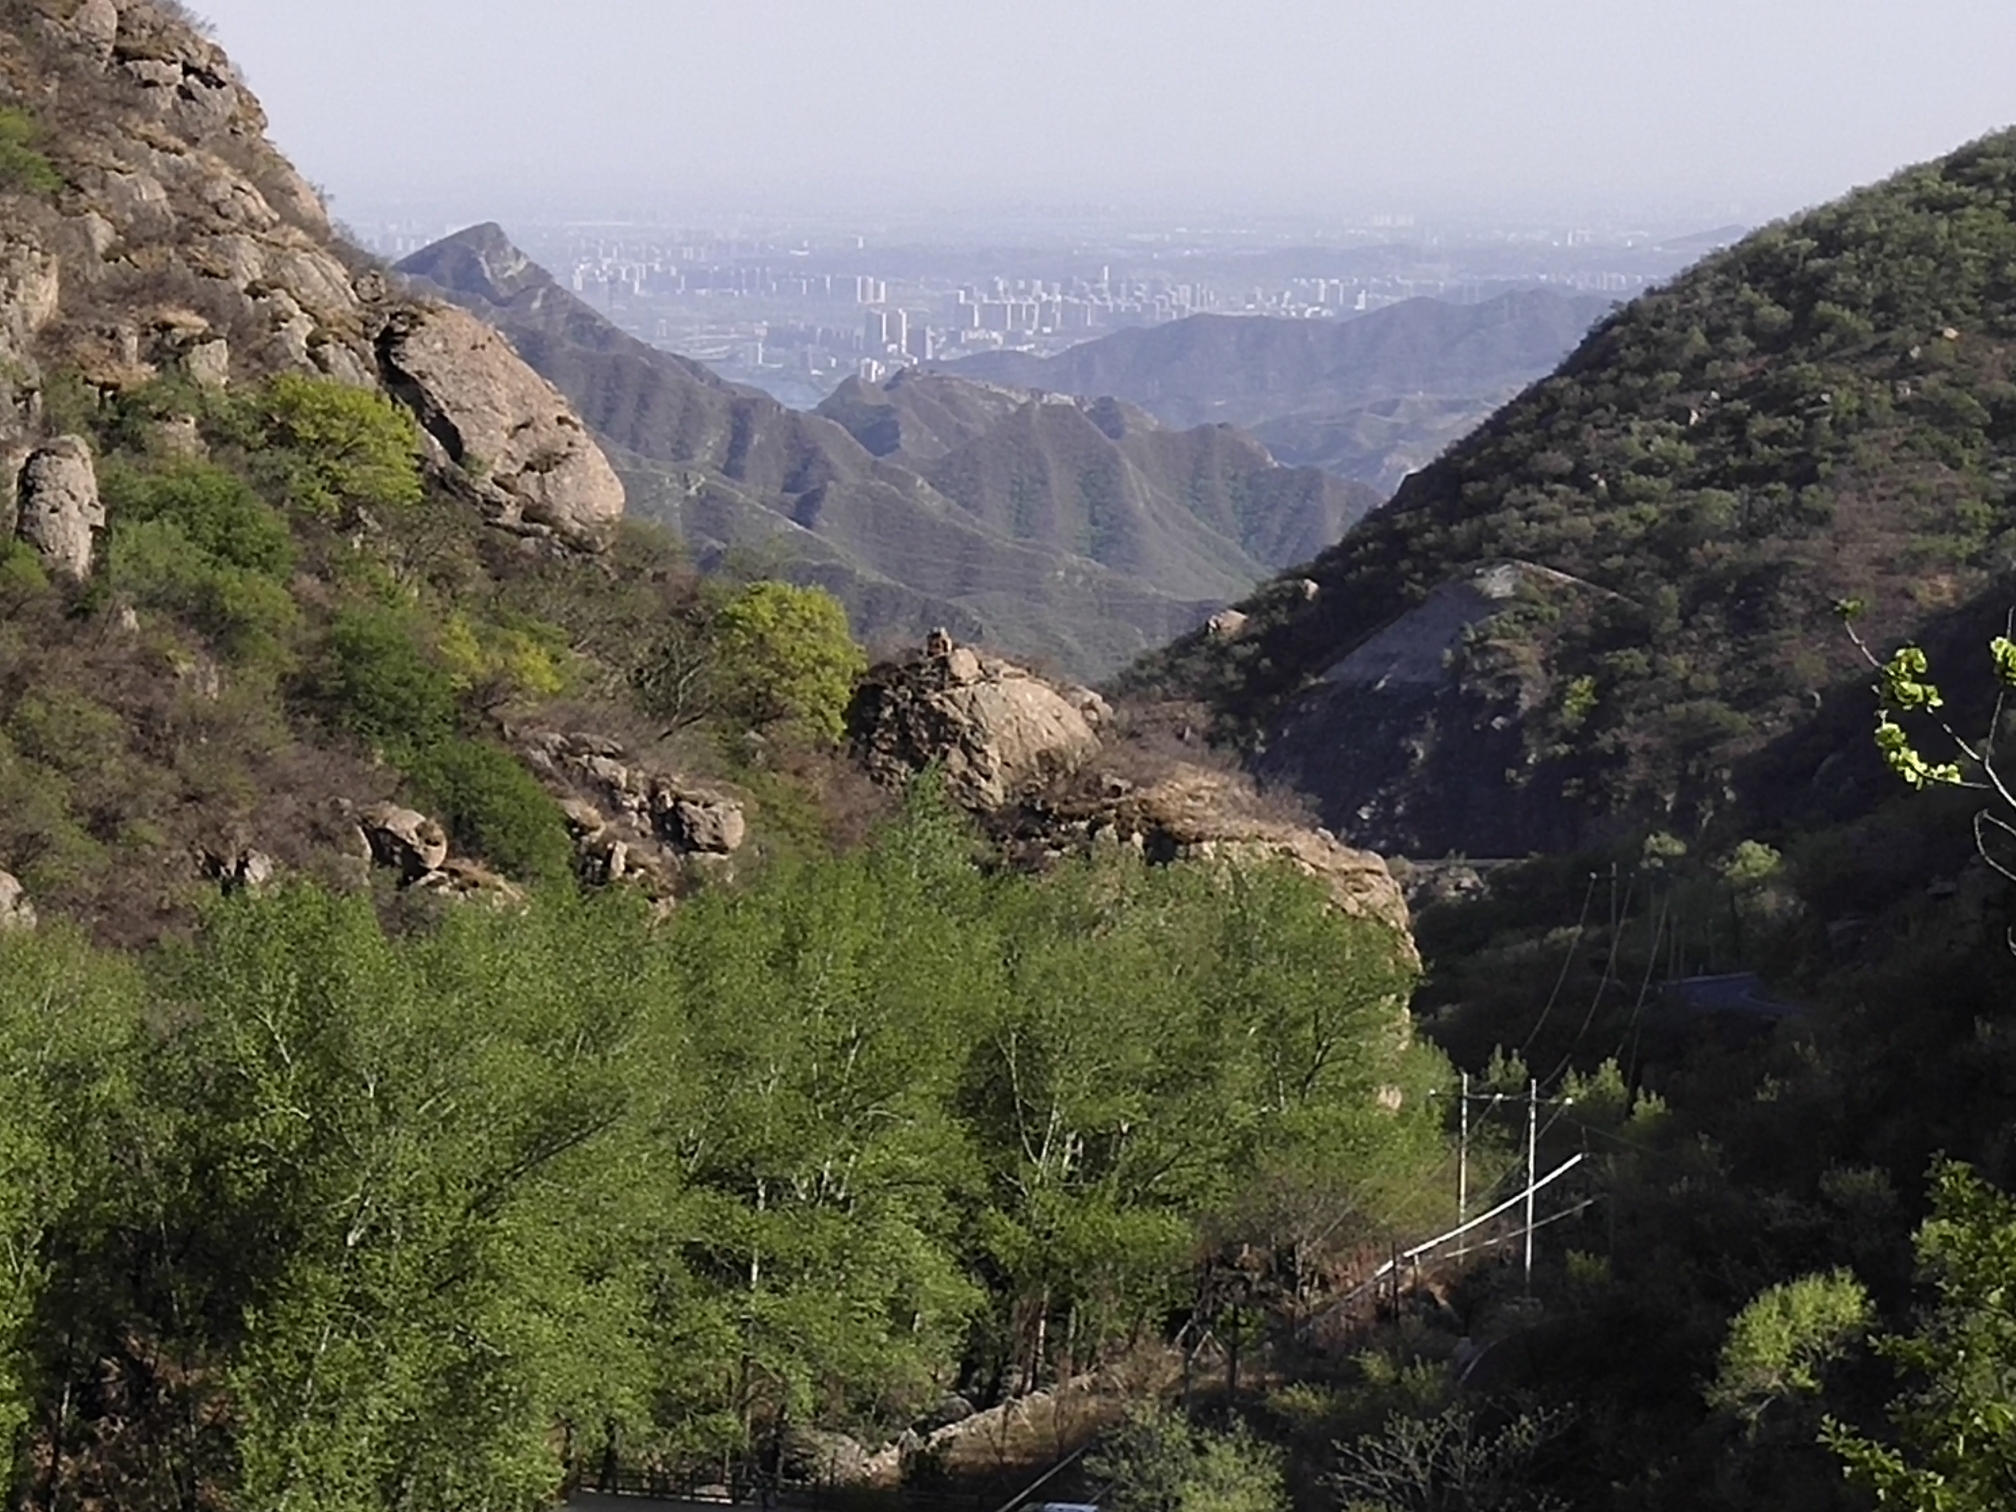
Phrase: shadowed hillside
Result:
[1823,411]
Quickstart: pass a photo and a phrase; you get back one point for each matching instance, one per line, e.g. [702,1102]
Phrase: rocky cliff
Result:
[158,234]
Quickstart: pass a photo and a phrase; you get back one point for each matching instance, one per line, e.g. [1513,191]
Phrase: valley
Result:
[1402,913]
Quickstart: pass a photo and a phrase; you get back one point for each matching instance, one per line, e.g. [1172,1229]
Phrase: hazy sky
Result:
[1294,104]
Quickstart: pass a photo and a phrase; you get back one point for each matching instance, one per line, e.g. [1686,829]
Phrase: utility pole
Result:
[1463,1154]
[1532,1170]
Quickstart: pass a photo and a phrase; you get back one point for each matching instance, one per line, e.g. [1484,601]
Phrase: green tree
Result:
[783,655]
[1955,1421]
[492,807]
[1781,1341]
[331,447]
[1157,1461]
[374,681]
[70,1020]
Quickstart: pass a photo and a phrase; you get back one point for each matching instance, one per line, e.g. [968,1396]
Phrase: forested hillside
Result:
[466,1018]
[1821,412]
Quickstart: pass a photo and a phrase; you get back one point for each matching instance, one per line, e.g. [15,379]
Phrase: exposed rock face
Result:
[531,459]
[1194,814]
[998,730]
[1404,748]
[16,912]
[407,841]
[634,823]
[59,508]
[238,871]
[184,226]
[468,882]
[1026,755]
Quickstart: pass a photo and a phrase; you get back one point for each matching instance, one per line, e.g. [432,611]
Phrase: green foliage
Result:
[1956,1419]
[67,1020]
[1156,1461]
[23,169]
[330,447]
[213,508]
[374,681]
[1779,1344]
[493,808]
[194,540]
[411,1211]
[783,654]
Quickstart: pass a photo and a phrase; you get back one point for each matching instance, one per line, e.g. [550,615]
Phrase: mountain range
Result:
[1370,399]
[1080,534]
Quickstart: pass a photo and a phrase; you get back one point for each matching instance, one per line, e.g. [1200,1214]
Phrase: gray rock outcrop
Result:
[1198,815]
[171,181]
[16,912]
[403,839]
[58,508]
[1029,758]
[633,822]
[526,453]
[997,730]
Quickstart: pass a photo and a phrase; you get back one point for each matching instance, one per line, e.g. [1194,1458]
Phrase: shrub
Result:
[375,682]
[215,510]
[783,654]
[24,170]
[492,807]
[331,447]
[250,617]
[196,541]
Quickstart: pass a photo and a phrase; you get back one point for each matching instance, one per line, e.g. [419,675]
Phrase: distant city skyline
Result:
[1290,107]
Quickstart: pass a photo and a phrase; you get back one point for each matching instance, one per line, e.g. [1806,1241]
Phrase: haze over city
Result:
[1270,106]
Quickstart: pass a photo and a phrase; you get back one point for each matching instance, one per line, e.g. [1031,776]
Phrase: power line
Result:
[1588,896]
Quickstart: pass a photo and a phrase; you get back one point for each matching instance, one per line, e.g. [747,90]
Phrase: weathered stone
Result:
[820,1456]
[997,732]
[710,826]
[525,452]
[409,842]
[1193,814]
[237,871]
[1227,624]
[646,828]
[60,513]
[471,883]
[16,912]
[583,817]
[208,363]
[95,23]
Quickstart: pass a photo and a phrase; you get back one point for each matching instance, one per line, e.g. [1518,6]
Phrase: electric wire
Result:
[1567,961]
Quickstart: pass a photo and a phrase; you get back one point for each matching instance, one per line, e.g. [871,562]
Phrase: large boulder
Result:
[996,730]
[404,840]
[60,513]
[526,453]
[1196,814]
